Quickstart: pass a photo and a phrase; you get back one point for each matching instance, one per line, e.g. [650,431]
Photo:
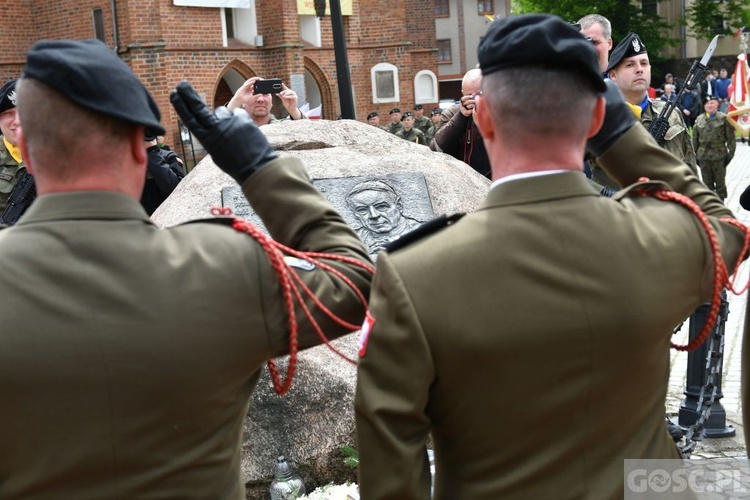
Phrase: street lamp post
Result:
[346,99]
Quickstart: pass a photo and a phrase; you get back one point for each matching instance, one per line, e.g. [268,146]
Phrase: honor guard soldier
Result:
[714,142]
[374,119]
[409,131]
[518,369]
[435,124]
[395,124]
[129,353]
[630,69]
[421,122]
[11,162]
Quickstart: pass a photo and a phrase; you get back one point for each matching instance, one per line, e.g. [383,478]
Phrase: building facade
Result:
[460,25]
[218,44]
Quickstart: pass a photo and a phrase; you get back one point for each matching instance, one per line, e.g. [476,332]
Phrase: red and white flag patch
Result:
[365,333]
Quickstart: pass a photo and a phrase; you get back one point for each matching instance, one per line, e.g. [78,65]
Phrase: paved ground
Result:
[738,177]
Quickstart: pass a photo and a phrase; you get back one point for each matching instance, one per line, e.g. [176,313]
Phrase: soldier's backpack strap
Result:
[420,232]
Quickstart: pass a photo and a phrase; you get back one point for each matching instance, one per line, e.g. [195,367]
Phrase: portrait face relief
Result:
[378,211]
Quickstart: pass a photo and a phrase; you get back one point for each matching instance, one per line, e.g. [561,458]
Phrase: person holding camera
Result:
[164,171]
[258,104]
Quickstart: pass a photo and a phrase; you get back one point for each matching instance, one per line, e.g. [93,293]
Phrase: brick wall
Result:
[165,44]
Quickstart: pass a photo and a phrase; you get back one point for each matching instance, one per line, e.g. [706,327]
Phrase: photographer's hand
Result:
[466,105]
[243,93]
[233,140]
[289,101]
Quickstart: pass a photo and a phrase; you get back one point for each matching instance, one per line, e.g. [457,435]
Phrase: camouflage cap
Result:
[538,39]
[91,75]
[630,46]
[8,95]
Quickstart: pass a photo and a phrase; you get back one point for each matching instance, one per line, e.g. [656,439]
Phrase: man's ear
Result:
[24,151]
[138,146]
[483,118]
[597,118]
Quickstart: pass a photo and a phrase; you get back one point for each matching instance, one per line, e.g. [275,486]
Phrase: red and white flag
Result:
[739,100]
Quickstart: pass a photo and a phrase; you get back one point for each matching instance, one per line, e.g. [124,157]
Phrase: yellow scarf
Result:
[636,109]
[14,151]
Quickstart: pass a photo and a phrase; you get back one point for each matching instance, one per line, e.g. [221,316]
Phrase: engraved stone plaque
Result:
[378,208]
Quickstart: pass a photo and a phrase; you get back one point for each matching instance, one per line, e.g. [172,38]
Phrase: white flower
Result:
[333,492]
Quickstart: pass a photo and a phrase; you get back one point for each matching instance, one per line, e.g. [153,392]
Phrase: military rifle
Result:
[658,128]
[24,192]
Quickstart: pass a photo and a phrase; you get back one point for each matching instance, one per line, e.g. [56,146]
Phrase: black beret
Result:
[372,115]
[407,114]
[417,106]
[630,46]
[394,110]
[538,39]
[91,75]
[8,95]
[436,111]
[711,97]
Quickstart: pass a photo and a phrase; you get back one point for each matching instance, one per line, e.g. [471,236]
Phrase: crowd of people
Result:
[129,353]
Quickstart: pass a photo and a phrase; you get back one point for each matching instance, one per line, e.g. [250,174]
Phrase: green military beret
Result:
[538,39]
[630,46]
[91,75]
[8,95]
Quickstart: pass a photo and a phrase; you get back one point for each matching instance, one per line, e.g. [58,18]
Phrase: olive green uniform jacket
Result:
[535,369]
[394,127]
[128,353]
[10,172]
[413,135]
[423,123]
[677,141]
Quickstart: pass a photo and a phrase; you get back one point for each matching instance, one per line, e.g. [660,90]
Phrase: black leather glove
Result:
[617,120]
[233,140]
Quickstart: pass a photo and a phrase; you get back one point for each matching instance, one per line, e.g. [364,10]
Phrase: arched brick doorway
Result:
[324,91]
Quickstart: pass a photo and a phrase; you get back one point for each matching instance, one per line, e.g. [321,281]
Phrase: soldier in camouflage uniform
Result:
[630,69]
[374,119]
[409,131]
[11,162]
[421,122]
[714,142]
[395,124]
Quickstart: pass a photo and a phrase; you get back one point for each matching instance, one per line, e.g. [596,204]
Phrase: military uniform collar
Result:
[566,184]
[84,205]
[524,175]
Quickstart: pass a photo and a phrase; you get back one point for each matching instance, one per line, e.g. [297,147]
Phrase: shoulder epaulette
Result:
[423,230]
[220,219]
[641,187]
